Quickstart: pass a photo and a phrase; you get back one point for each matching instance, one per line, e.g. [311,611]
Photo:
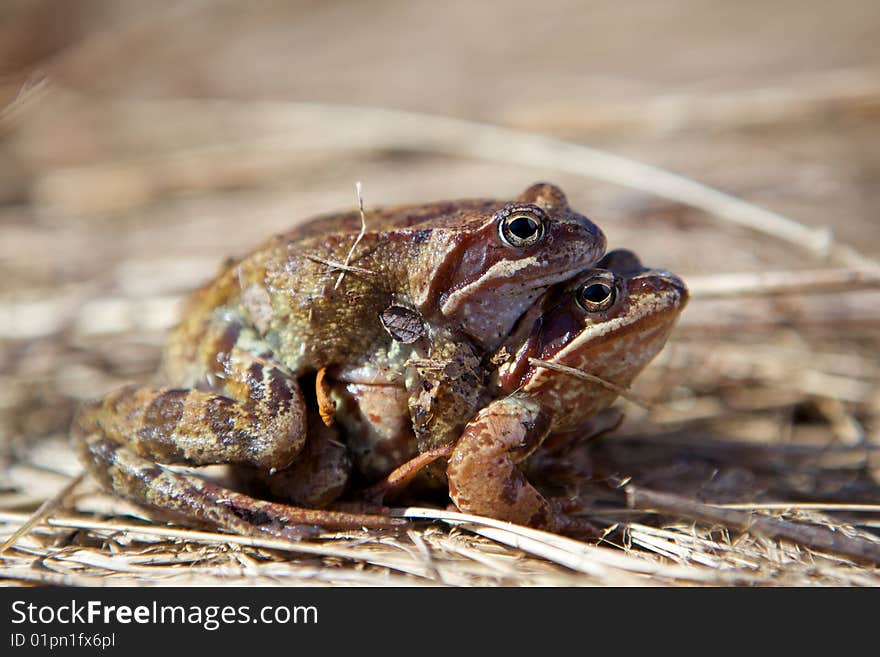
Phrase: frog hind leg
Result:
[318,476]
[234,404]
[253,414]
[484,474]
[196,427]
[191,498]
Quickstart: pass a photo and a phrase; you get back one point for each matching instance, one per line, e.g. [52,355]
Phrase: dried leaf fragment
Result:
[403,324]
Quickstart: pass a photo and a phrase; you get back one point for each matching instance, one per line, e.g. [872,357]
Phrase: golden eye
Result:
[596,296]
[521,228]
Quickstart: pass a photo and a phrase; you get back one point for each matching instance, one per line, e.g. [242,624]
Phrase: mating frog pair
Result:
[421,334]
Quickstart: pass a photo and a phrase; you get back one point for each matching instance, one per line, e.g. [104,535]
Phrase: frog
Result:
[325,297]
[571,356]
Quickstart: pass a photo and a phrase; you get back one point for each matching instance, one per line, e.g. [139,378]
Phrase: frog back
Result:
[284,302]
[393,218]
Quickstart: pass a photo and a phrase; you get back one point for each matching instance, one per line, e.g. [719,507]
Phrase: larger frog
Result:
[313,299]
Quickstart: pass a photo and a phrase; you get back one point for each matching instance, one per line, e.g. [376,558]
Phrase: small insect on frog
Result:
[324,298]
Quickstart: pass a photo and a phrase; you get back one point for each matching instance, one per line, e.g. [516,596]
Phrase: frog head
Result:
[609,323]
[483,264]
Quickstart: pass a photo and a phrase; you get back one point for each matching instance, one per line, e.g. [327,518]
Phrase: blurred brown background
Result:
[773,101]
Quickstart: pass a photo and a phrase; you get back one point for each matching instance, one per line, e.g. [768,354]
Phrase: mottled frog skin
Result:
[466,269]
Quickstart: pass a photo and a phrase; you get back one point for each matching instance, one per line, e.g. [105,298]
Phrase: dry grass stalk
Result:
[42,512]
[360,235]
[591,378]
[371,128]
[341,265]
[777,283]
[816,538]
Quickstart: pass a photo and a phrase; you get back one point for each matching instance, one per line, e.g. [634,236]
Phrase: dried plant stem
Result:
[814,537]
[30,93]
[606,564]
[42,511]
[304,126]
[340,265]
[772,283]
[212,538]
[803,506]
[360,198]
[592,378]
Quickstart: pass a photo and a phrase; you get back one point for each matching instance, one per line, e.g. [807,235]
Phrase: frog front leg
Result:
[446,390]
[484,474]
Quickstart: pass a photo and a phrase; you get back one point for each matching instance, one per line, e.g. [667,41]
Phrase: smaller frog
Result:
[609,324]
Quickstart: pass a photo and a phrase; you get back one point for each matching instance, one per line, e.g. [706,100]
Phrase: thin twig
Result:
[364,128]
[814,537]
[339,265]
[803,506]
[28,95]
[42,511]
[772,283]
[360,236]
[592,378]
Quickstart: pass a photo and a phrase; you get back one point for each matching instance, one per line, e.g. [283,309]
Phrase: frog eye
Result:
[596,296]
[521,228]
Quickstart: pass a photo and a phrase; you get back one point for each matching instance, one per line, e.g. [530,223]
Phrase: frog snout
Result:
[578,229]
[672,284]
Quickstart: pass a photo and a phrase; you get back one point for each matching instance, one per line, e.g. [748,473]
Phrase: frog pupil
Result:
[596,293]
[523,227]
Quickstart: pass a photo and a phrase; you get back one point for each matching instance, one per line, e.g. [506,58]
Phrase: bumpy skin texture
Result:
[234,363]
[445,261]
[613,339]
[388,425]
